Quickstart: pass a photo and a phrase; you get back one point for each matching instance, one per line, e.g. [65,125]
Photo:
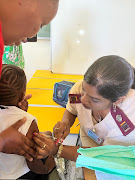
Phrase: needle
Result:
[77,125]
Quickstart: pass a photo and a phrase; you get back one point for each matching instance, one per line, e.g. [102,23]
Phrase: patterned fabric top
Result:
[14,55]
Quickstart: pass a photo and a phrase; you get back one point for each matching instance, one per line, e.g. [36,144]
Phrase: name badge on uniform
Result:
[75,98]
[95,137]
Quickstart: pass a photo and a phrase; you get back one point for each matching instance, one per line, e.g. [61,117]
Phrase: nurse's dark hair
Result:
[12,82]
[112,75]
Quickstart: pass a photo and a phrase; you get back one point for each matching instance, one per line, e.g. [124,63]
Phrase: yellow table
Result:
[41,105]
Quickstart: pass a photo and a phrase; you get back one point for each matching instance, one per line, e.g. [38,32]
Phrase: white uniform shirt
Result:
[13,166]
[107,129]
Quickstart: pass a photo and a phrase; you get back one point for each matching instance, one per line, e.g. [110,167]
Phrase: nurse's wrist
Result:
[67,122]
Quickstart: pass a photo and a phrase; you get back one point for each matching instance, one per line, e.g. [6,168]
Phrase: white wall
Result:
[106,26]
[37,56]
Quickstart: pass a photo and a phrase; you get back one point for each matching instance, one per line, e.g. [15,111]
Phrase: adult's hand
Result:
[24,103]
[46,146]
[14,142]
[61,130]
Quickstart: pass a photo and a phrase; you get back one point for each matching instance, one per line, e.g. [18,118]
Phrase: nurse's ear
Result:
[120,100]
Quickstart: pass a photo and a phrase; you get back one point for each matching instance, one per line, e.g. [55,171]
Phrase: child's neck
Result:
[9,103]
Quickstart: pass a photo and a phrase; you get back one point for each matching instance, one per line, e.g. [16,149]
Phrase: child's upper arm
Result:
[33,128]
[36,165]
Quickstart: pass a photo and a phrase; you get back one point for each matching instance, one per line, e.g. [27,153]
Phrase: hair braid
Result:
[12,81]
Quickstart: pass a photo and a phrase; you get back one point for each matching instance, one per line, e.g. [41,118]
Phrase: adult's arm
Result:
[14,142]
[68,152]
[62,128]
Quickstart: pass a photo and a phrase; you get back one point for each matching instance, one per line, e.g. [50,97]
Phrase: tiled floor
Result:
[42,105]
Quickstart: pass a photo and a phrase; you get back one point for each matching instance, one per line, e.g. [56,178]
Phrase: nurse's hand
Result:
[61,130]
[45,146]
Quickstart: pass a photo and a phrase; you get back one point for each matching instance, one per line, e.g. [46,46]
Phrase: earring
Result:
[121,103]
[114,108]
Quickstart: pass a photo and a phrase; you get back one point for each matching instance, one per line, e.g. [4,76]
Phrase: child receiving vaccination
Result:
[12,91]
